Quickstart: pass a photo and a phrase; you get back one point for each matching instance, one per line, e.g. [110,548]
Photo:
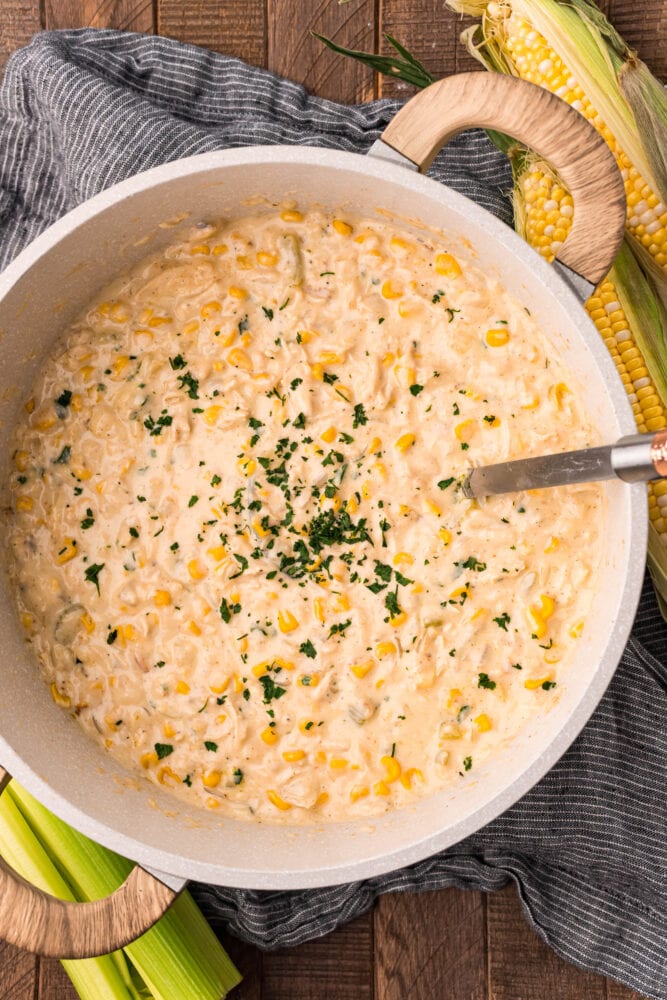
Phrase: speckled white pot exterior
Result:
[47,751]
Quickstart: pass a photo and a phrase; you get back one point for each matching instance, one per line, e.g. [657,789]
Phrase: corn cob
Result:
[630,319]
[571,50]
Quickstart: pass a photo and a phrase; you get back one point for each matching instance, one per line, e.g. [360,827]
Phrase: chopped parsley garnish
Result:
[300,421]
[464,446]
[444,483]
[216,480]
[467,763]
[307,649]
[383,571]
[163,750]
[517,666]
[243,565]
[272,691]
[339,628]
[63,457]
[416,389]
[450,312]
[238,775]
[210,745]
[193,500]
[112,636]
[548,685]
[403,580]
[503,621]
[92,574]
[484,681]
[392,605]
[360,417]
[155,426]
[88,520]
[267,312]
[190,383]
[227,610]
[490,419]
[178,362]
[471,563]
[295,383]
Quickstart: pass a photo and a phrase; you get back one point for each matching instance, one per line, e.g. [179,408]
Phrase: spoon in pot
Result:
[634,459]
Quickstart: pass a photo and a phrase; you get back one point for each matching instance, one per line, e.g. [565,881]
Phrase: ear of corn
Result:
[570,49]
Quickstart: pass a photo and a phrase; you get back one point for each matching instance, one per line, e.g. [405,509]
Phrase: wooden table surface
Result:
[447,945]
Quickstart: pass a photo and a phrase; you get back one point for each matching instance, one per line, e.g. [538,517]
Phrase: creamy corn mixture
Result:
[238,540]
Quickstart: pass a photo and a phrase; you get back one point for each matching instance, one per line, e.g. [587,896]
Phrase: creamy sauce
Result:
[239,545]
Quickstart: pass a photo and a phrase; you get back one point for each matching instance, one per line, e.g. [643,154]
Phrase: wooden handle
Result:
[544,123]
[36,921]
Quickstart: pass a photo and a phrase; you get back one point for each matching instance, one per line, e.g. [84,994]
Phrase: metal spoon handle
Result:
[635,458]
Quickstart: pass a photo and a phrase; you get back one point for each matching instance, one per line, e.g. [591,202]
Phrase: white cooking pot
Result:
[58,274]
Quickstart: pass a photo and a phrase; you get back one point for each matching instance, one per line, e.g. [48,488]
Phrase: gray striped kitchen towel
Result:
[80,110]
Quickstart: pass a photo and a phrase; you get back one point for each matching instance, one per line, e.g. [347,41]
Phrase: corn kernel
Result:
[445,536]
[448,265]
[239,358]
[392,769]
[88,623]
[275,799]
[338,763]
[342,228]
[381,788]
[286,621]
[342,602]
[385,649]
[194,628]
[148,759]
[195,570]
[464,430]
[482,722]
[247,466]
[45,422]
[497,338]
[217,552]
[201,248]
[293,755]
[329,435]
[309,680]
[212,803]
[168,730]
[161,598]
[220,686]
[220,248]
[388,291]
[318,608]
[405,441]
[576,630]
[211,414]
[267,259]
[398,619]
[269,736]
[307,726]
[182,688]
[211,779]
[237,293]
[67,552]
[537,682]
[359,792]
[60,699]
[168,777]
[291,215]
[361,669]
[408,776]
[30,406]
[552,544]
[402,558]
[25,503]
[21,459]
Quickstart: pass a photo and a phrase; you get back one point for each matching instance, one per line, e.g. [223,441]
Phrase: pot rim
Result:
[535,268]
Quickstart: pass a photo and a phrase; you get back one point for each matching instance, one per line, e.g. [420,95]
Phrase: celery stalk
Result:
[93,978]
[179,958]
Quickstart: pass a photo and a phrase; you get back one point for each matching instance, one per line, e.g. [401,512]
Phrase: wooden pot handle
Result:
[34,920]
[544,123]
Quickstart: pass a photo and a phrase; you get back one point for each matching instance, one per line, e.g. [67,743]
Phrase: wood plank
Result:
[643,26]
[293,52]
[616,991]
[18,973]
[54,983]
[522,965]
[20,20]
[338,966]
[430,31]
[234,27]
[431,946]
[249,961]
[127,15]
